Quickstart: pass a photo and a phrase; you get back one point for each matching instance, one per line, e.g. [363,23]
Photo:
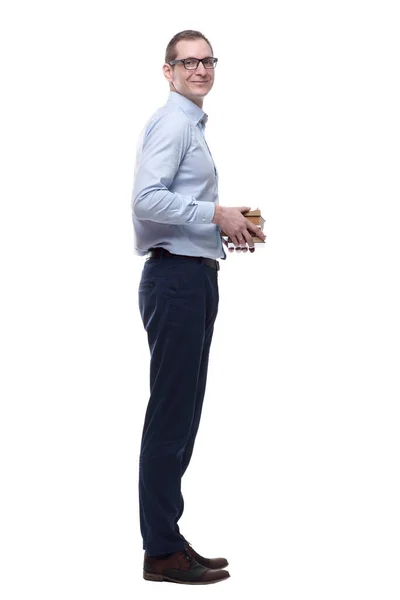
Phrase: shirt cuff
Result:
[205,212]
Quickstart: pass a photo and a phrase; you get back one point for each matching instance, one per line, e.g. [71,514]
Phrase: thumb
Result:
[244,209]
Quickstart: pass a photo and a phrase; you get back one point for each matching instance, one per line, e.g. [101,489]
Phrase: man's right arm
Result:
[165,144]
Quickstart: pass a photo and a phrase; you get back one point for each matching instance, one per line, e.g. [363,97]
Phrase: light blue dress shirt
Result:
[176,184]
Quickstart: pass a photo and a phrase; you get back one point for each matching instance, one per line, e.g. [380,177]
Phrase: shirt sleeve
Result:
[165,143]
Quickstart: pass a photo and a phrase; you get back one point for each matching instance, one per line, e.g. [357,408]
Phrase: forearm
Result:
[163,206]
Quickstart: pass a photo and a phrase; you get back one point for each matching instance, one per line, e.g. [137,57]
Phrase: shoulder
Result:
[170,121]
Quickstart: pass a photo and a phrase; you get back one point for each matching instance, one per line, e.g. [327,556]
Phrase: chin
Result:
[201,92]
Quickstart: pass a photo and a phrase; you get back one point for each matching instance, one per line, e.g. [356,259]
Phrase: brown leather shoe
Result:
[210,563]
[180,567]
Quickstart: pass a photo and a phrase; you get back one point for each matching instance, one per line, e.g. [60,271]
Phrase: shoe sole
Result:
[160,578]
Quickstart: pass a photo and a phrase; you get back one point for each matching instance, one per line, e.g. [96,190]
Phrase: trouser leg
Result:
[212,311]
[173,304]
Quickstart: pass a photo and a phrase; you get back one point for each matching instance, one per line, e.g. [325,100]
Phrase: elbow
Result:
[138,206]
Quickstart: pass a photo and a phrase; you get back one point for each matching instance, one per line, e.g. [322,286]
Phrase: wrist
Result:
[217,214]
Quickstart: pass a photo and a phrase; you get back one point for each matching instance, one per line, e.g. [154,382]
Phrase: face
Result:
[195,85]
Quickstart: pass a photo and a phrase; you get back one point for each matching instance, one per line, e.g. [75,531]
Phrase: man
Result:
[177,223]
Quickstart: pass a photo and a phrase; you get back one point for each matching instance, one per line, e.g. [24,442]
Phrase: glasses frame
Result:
[199,60]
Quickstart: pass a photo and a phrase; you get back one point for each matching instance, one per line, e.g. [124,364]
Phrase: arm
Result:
[165,144]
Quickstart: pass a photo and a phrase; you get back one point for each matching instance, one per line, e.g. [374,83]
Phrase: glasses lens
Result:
[210,63]
[190,63]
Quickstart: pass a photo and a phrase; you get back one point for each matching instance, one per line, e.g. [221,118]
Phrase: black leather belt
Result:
[162,253]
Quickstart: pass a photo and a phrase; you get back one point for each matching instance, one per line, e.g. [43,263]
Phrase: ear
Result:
[167,70]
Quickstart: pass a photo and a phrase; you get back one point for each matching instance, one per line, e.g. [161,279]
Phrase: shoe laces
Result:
[189,548]
[187,556]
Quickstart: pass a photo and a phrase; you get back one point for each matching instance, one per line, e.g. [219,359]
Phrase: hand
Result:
[237,227]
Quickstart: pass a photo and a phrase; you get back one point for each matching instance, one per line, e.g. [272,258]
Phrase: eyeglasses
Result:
[192,63]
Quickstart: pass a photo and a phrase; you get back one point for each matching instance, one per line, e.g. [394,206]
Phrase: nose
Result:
[202,68]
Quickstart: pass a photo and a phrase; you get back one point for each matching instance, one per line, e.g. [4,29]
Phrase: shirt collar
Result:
[194,112]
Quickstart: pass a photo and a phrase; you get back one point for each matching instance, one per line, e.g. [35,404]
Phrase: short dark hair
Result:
[171,52]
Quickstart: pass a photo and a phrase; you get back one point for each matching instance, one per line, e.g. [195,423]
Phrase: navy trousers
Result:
[178,302]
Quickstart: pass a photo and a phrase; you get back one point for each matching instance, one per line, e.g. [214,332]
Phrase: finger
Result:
[244,240]
[257,231]
[244,209]
[249,238]
[236,242]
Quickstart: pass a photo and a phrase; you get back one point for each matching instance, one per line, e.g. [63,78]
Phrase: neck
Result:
[198,101]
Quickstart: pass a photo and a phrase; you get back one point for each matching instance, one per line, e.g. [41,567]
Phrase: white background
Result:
[295,474]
